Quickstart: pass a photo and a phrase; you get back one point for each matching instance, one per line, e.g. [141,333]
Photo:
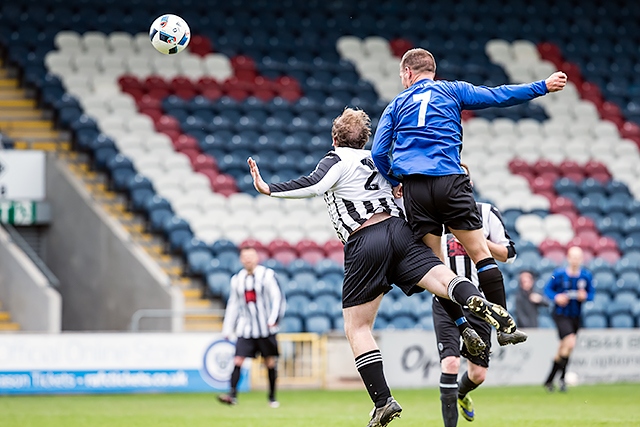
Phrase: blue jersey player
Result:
[568,288]
[418,143]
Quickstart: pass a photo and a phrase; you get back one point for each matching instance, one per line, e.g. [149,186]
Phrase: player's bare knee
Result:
[450,365]
[477,374]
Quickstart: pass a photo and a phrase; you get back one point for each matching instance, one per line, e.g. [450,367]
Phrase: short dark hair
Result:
[351,129]
[246,248]
[418,60]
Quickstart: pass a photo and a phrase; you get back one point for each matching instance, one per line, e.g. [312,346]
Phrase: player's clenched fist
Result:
[556,81]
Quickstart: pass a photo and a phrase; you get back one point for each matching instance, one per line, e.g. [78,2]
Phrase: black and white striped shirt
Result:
[455,256]
[255,302]
[352,187]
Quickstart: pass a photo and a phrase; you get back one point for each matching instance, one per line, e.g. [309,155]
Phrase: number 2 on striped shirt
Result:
[424,99]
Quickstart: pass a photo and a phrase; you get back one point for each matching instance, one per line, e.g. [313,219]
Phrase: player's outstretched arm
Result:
[556,81]
[258,182]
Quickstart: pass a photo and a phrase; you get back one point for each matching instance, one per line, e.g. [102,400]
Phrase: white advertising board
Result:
[115,363]
[608,355]
[22,175]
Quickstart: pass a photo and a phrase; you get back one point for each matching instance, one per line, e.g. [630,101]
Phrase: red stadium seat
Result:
[575,177]
[310,251]
[158,92]
[191,154]
[282,251]
[173,134]
[154,113]
[606,243]
[550,52]
[205,162]
[593,167]
[556,255]
[211,93]
[562,205]
[148,102]
[200,45]
[243,62]
[609,255]
[129,81]
[519,167]
[167,123]
[570,167]
[584,223]
[550,245]
[543,184]
[186,142]
[155,82]
[573,73]
[629,130]
[224,184]
[211,174]
[400,46]
[545,166]
[262,250]
[264,94]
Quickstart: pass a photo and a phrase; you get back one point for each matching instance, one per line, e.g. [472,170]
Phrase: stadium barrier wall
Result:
[92,363]
[25,291]
[105,277]
[601,356]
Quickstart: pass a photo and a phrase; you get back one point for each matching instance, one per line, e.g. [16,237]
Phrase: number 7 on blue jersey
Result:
[424,99]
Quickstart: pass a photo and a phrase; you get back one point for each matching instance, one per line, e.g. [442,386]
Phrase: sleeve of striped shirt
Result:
[276,297]
[325,175]
[231,312]
[382,145]
[498,234]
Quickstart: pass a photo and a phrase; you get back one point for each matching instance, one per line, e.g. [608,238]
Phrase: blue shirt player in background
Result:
[418,143]
[568,288]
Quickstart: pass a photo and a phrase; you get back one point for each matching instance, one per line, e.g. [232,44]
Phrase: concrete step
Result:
[20,124]
[17,103]
[192,293]
[203,318]
[20,114]
[7,82]
[202,327]
[197,303]
[9,326]
[7,92]
[35,135]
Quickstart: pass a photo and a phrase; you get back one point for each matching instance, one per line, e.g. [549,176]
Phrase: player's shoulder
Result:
[586,273]
[559,272]
[333,154]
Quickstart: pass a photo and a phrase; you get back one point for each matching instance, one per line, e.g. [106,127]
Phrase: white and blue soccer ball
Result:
[169,34]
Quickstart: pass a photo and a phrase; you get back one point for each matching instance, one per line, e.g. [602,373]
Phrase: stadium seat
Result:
[318,324]
[622,320]
[291,324]
[595,321]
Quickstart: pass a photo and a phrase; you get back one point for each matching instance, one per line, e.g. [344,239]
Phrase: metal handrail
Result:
[160,313]
[28,250]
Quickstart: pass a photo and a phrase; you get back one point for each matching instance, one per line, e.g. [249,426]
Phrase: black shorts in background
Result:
[448,336]
[566,325]
[382,254]
[434,201]
[251,347]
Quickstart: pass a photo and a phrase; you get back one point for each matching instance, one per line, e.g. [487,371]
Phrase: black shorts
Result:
[448,335]
[566,325]
[251,347]
[434,201]
[380,255]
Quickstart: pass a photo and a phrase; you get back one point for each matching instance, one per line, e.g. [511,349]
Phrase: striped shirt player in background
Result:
[568,288]
[255,306]
[380,249]
[447,334]
[418,143]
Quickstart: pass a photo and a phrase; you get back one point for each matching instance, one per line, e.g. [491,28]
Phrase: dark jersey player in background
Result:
[447,334]
[418,143]
[568,288]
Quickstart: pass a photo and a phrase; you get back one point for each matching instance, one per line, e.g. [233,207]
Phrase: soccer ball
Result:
[571,378]
[169,34]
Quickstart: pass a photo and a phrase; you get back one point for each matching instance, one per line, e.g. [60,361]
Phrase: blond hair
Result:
[419,61]
[351,129]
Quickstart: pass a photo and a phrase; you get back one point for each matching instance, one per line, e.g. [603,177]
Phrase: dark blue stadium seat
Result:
[319,324]
[297,304]
[595,321]
[403,322]
[622,320]
[291,324]
[545,322]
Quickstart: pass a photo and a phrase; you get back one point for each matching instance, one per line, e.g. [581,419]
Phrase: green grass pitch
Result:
[583,406]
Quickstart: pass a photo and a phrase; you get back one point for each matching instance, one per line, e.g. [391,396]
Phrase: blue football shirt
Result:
[561,282]
[420,131]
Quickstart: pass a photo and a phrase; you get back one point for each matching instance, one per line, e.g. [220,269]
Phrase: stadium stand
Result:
[173,133]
